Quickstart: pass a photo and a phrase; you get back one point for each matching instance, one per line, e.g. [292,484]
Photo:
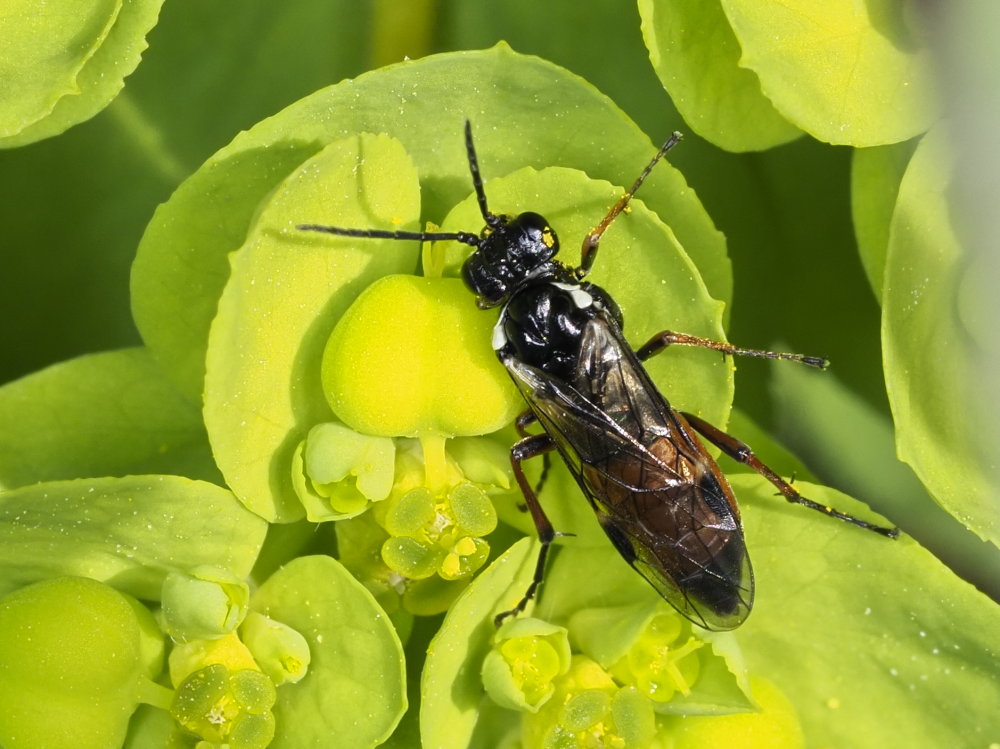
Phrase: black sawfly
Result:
[660,497]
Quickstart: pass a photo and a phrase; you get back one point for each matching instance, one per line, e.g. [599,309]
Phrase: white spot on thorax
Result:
[499,334]
[581,298]
[499,337]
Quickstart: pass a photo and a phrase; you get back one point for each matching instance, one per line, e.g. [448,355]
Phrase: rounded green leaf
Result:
[107,414]
[152,726]
[63,67]
[846,73]
[129,532]
[287,288]
[355,688]
[182,264]
[852,627]
[696,56]
[875,176]
[70,665]
[451,688]
[44,54]
[938,339]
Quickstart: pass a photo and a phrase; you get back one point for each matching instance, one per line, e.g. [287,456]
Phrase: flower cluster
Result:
[654,694]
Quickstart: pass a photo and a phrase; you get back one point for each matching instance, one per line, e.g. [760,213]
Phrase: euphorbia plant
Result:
[355,412]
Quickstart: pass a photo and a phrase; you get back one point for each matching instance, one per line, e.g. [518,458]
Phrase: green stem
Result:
[157,695]
[402,30]
[147,138]
[435,462]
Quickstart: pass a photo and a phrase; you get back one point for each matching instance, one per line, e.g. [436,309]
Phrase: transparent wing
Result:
[659,496]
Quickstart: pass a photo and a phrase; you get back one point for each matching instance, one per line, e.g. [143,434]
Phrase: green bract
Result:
[863,639]
[750,74]
[331,453]
[263,382]
[109,414]
[282,653]
[408,359]
[451,688]
[355,686]
[875,176]
[847,73]
[938,341]
[70,665]
[696,55]
[62,67]
[130,531]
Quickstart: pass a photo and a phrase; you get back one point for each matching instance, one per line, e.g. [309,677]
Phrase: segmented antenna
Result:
[589,250]
[492,220]
[461,236]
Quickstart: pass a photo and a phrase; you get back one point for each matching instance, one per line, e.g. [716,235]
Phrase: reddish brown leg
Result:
[531,447]
[741,452]
[661,340]
[524,420]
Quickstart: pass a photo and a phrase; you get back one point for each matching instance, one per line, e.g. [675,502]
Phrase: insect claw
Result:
[521,606]
[819,362]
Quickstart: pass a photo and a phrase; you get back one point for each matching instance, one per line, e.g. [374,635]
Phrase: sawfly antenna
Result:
[588,252]
[492,220]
